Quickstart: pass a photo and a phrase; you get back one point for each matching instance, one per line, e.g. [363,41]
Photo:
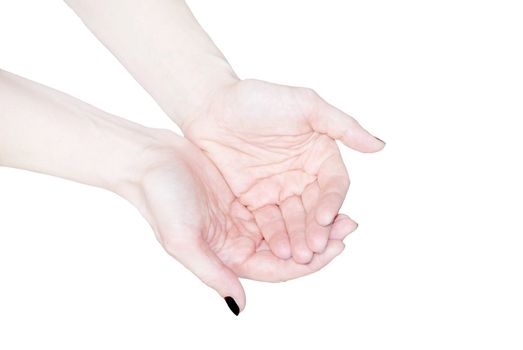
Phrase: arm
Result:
[46,131]
[174,186]
[163,47]
[49,132]
[273,144]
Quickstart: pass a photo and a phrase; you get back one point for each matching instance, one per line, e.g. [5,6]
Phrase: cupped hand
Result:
[200,222]
[275,146]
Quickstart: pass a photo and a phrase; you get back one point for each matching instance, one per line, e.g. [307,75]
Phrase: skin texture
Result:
[180,192]
[268,185]
[275,147]
[200,222]
[273,144]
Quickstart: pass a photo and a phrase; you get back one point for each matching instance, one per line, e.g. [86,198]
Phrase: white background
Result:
[437,260]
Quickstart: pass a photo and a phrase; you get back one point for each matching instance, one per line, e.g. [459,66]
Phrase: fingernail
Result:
[232,305]
[377,138]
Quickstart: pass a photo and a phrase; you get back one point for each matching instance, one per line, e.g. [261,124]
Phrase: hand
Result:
[199,221]
[274,144]
[178,190]
[275,147]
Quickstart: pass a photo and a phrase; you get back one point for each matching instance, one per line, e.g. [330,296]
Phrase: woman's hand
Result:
[274,144]
[200,222]
[178,190]
[275,147]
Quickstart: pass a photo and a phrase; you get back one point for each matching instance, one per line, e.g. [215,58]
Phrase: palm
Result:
[267,142]
[199,221]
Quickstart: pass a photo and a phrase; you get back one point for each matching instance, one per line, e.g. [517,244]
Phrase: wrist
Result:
[141,154]
[189,92]
[129,151]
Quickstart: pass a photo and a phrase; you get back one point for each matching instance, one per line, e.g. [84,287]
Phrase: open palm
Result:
[275,146]
[198,220]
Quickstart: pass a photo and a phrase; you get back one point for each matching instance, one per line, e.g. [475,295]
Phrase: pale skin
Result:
[257,192]
[274,145]
[180,192]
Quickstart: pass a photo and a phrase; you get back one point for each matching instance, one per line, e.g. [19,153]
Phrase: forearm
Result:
[163,47]
[46,131]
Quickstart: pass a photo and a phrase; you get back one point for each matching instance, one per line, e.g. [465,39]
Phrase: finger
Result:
[340,126]
[272,227]
[342,227]
[294,216]
[316,235]
[333,181]
[290,182]
[203,262]
[265,266]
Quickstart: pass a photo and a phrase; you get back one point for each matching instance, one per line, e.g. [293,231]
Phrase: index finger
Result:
[333,181]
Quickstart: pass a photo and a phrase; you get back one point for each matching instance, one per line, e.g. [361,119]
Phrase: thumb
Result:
[203,262]
[340,126]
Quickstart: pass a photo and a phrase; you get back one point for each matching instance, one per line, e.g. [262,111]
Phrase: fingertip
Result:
[337,247]
[380,145]
[343,127]
[199,258]
[317,243]
[375,144]
[334,184]
[303,255]
[350,225]
[280,247]
[333,249]
[233,306]
[234,295]
[364,143]
[324,217]
[342,227]
[383,142]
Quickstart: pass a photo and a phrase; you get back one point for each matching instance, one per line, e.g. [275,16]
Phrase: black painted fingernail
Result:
[232,305]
